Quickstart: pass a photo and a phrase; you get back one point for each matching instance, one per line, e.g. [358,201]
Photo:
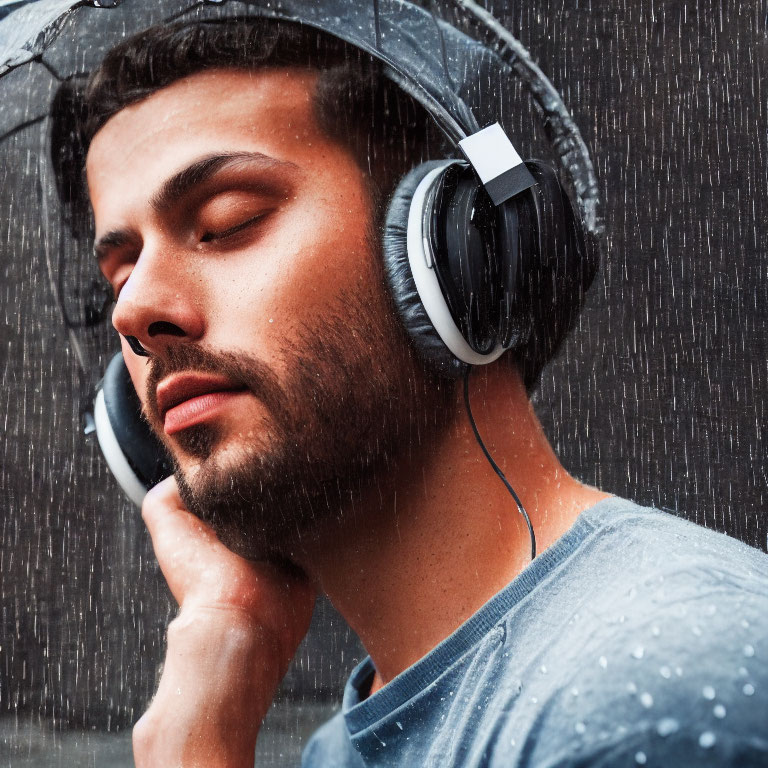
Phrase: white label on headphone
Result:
[490,152]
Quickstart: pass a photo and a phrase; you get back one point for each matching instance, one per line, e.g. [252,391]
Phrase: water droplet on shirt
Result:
[666,726]
[640,758]
[707,739]
[749,651]
[603,662]
[646,700]
[665,672]
[580,728]
[639,652]
[708,692]
[748,689]
[718,711]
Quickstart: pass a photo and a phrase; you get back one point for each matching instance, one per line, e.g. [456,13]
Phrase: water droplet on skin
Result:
[639,652]
[665,672]
[640,758]
[580,728]
[646,700]
[708,692]
[718,711]
[707,740]
[749,651]
[271,319]
[666,726]
[748,689]
[603,662]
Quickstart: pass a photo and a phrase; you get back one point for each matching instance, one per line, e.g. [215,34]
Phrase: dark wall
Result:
[659,395]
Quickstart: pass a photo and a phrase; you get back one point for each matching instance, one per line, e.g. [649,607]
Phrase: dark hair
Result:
[385,129]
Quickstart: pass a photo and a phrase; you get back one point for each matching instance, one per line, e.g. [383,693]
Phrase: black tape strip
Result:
[510,183]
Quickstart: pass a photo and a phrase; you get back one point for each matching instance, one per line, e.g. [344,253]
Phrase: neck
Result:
[444,535]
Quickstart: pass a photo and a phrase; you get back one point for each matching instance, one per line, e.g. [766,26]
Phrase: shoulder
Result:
[664,658]
[330,747]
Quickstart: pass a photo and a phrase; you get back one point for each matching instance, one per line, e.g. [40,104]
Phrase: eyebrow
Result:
[182,183]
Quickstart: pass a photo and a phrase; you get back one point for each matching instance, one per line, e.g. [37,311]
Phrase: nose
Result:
[158,304]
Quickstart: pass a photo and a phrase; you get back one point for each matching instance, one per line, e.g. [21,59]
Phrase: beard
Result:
[354,405]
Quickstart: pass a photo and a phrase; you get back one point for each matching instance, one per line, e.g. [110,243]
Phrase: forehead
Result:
[269,111]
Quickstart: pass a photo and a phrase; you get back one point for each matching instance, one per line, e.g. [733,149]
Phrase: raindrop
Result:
[580,728]
[574,691]
[631,687]
[743,672]
[665,672]
[646,700]
[666,726]
[745,624]
[640,758]
[603,662]
[708,692]
[718,711]
[543,669]
[696,630]
[399,724]
[707,739]
[748,689]
[639,652]
[655,631]
[749,651]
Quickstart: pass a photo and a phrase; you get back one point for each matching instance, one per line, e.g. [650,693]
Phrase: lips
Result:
[186,399]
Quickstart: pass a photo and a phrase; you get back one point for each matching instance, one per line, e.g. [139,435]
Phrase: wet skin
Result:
[226,219]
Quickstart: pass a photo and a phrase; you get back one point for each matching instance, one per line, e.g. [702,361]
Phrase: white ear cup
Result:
[427,284]
[114,455]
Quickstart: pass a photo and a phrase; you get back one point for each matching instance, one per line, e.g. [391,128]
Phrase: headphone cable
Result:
[496,469]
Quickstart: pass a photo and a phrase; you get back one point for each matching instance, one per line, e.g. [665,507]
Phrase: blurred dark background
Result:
[659,395]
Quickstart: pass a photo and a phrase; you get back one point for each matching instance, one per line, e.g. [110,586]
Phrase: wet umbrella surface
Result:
[658,395]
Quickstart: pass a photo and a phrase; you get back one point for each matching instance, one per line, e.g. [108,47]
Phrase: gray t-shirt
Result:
[636,639]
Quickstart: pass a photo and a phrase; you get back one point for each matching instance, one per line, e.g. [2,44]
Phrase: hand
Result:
[237,630]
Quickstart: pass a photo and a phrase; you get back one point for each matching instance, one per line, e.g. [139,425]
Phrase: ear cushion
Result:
[125,437]
[402,287]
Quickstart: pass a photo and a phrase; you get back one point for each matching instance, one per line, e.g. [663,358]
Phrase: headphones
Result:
[467,245]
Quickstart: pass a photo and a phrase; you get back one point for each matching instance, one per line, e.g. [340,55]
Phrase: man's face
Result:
[239,241]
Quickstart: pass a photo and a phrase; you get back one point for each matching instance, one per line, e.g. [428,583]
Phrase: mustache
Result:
[242,369]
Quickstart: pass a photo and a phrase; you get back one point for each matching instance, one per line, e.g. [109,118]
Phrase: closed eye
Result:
[210,236]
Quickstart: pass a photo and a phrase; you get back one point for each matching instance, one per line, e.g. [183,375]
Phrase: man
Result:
[238,221]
